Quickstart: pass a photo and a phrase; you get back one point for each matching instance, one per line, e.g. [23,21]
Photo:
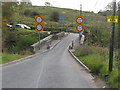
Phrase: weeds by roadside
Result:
[96,58]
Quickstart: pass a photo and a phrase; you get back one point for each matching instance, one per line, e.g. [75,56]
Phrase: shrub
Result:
[54,16]
[27,12]
[10,41]
[24,42]
[34,13]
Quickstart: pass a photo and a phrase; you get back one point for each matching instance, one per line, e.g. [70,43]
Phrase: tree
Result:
[48,4]
[54,16]
[8,10]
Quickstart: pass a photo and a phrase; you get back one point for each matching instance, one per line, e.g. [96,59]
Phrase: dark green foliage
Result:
[17,41]
[54,16]
[27,12]
[105,13]
[24,42]
[34,13]
[10,41]
[30,13]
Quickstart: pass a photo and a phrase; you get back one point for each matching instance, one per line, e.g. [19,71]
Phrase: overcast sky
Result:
[87,5]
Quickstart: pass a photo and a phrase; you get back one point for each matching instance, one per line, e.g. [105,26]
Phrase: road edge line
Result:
[81,63]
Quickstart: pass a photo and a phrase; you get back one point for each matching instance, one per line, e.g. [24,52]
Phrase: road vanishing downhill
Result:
[53,69]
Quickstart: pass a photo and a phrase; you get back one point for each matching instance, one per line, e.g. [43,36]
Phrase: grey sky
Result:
[87,5]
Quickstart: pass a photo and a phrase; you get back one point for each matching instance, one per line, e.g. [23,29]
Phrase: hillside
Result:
[97,25]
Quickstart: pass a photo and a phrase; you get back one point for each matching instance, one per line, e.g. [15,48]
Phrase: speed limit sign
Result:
[79,20]
[79,24]
[39,21]
[39,27]
[79,28]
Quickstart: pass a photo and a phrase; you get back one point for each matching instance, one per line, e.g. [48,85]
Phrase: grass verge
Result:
[6,57]
[96,59]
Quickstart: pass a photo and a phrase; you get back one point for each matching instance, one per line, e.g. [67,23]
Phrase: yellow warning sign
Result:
[112,19]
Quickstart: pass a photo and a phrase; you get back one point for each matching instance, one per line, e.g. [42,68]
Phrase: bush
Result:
[31,13]
[24,42]
[10,41]
[54,16]
[27,12]
[34,13]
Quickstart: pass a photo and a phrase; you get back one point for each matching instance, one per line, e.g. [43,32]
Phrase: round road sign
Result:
[39,27]
[79,28]
[39,19]
[79,20]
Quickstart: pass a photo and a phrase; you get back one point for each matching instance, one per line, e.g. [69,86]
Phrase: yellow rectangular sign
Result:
[112,19]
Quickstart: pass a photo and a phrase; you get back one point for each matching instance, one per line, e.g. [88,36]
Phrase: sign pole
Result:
[39,21]
[112,39]
[39,39]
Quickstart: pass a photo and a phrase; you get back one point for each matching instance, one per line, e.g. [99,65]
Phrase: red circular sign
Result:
[38,19]
[79,19]
[39,27]
[79,28]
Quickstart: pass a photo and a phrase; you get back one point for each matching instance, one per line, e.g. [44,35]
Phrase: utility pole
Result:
[119,33]
[112,38]
[80,9]
[80,15]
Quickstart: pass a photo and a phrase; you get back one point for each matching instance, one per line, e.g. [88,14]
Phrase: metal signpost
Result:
[39,26]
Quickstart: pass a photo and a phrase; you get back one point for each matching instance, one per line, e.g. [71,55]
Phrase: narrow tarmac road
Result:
[53,69]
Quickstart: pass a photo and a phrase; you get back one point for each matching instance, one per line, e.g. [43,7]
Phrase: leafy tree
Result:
[47,4]
[54,16]
[9,10]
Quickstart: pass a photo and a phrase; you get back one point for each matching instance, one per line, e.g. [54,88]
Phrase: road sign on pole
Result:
[39,27]
[85,20]
[39,23]
[111,50]
[79,24]
[61,19]
[112,19]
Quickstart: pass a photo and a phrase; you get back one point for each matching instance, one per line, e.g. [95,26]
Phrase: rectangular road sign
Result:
[112,19]
[61,19]
[85,20]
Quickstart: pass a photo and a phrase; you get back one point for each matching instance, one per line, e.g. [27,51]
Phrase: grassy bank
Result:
[96,58]
[17,43]
[6,57]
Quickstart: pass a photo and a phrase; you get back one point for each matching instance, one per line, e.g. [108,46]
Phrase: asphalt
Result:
[53,69]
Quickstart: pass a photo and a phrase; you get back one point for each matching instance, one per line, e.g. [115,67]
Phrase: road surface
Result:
[53,69]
